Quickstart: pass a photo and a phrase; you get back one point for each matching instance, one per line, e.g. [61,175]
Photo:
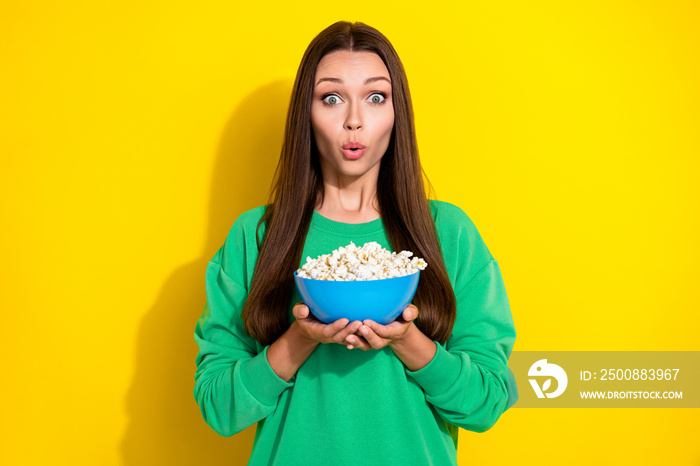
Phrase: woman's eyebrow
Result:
[367,81]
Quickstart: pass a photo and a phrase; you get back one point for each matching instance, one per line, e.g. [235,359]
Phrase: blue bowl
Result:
[379,300]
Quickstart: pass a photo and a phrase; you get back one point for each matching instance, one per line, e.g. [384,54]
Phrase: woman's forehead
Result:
[339,66]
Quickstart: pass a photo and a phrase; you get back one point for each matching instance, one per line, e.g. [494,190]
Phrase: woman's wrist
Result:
[299,334]
[415,349]
[289,352]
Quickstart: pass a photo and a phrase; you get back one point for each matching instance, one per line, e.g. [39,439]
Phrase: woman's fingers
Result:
[332,330]
[374,340]
[383,331]
[317,330]
[300,310]
[364,344]
[357,341]
[341,335]
[364,335]
[380,336]
[410,313]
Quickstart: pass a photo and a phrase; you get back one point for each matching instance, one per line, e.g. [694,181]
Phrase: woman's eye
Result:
[377,98]
[331,99]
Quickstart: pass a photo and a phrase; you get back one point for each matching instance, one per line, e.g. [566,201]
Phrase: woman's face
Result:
[351,103]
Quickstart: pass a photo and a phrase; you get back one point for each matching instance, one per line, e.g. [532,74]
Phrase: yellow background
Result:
[132,134]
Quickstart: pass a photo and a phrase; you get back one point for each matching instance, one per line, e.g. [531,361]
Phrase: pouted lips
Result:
[353,150]
[353,145]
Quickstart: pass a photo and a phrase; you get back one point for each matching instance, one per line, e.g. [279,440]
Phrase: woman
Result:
[352,392]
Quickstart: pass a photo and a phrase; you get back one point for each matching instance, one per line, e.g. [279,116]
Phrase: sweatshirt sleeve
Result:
[468,380]
[235,387]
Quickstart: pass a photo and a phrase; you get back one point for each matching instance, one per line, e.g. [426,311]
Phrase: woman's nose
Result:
[354,119]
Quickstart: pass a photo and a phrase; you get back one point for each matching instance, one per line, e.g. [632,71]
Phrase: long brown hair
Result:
[298,184]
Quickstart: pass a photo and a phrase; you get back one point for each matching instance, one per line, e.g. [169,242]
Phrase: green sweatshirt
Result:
[352,406]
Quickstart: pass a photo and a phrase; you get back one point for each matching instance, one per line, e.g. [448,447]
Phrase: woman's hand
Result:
[377,336]
[336,332]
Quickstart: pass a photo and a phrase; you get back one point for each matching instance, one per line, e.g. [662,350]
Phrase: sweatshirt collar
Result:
[356,229]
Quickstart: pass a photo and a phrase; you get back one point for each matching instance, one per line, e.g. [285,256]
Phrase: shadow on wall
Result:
[165,424]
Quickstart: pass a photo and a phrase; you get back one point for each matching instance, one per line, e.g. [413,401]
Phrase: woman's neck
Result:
[349,205]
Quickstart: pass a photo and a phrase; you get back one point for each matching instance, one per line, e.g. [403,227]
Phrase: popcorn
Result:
[370,262]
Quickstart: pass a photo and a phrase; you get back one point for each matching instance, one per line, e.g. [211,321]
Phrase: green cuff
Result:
[440,373]
[261,381]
